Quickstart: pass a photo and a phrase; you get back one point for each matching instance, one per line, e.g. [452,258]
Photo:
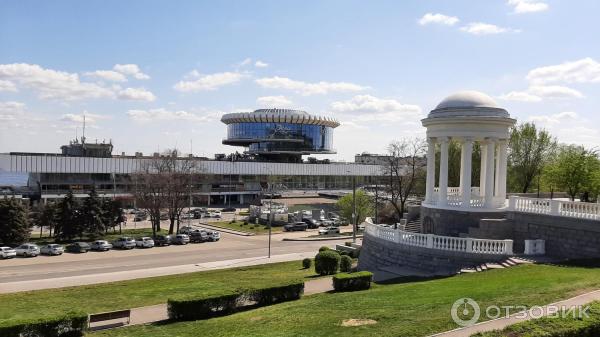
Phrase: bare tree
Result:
[405,172]
[178,184]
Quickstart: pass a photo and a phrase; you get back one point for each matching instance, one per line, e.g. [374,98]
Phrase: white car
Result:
[214,236]
[215,214]
[144,242]
[7,253]
[28,249]
[124,243]
[101,245]
[329,230]
[52,249]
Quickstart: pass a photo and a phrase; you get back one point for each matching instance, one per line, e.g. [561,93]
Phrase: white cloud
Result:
[260,64]
[51,84]
[162,114]
[307,89]
[528,6]
[555,91]
[136,94]
[11,110]
[586,70]
[273,101]
[245,62]
[481,28]
[78,118]
[131,70]
[520,96]
[108,75]
[555,118]
[7,86]
[438,18]
[366,108]
[208,82]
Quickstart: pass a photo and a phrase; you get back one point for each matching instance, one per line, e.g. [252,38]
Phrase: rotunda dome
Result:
[468,104]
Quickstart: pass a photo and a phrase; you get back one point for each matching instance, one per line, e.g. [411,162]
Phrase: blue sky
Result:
[152,75]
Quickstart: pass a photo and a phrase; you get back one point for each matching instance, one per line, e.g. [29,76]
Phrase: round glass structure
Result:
[280,134]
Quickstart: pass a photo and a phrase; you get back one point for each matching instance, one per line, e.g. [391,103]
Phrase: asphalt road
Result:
[228,248]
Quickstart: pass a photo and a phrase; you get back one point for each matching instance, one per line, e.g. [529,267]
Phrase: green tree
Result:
[364,206]
[91,215]
[575,170]
[45,217]
[67,218]
[529,150]
[112,212]
[14,222]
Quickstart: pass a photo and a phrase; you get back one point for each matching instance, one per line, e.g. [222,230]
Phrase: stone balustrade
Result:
[455,199]
[583,210]
[437,242]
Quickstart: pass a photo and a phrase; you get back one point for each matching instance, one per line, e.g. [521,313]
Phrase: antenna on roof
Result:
[83,137]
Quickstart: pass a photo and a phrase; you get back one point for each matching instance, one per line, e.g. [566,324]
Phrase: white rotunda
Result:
[468,117]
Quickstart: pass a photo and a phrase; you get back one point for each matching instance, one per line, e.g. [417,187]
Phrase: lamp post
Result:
[354,215]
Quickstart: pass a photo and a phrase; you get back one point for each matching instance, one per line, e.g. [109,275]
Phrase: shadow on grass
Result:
[411,279]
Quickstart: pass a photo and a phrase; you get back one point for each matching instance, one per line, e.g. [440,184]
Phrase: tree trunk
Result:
[171,225]
[41,228]
[178,225]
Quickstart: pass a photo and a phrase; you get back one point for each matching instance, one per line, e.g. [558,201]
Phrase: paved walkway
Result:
[501,323]
[61,282]
[157,313]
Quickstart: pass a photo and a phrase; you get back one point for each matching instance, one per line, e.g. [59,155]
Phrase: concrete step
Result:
[478,268]
[520,260]
[494,266]
[505,265]
[483,267]
[511,263]
[467,271]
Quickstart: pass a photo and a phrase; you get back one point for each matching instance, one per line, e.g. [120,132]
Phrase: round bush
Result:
[327,262]
[324,248]
[345,264]
[306,263]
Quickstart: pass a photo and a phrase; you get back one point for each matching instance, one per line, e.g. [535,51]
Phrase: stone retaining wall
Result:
[448,222]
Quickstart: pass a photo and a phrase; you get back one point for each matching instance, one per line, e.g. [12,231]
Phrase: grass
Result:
[110,236]
[417,308]
[249,228]
[572,324]
[142,292]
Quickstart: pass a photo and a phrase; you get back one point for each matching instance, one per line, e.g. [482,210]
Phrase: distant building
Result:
[372,159]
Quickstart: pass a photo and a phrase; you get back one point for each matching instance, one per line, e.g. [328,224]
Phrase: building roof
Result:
[468,104]
[279,116]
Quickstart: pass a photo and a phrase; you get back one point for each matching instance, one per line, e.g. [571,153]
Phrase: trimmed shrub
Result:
[327,262]
[72,324]
[352,281]
[203,307]
[345,264]
[306,263]
[324,248]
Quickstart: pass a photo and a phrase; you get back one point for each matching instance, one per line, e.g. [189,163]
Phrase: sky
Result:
[152,75]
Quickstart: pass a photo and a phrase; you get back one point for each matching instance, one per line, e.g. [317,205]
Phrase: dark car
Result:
[198,236]
[311,223]
[78,247]
[162,240]
[296,226]
[228,209]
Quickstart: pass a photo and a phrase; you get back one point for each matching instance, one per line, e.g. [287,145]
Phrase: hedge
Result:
[352,281]
[345,264]
[203,307]
[71,324]
[567,326]
[327,262]
[306,263]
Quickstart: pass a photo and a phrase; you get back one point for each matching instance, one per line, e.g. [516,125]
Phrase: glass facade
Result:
[287,137]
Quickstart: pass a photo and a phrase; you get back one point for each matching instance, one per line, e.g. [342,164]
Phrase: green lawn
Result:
[402,309]
[149,291]
[248,228]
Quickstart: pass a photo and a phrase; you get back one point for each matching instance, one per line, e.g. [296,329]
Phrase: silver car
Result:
[101,245]
[52,249]
[28,249]
[181,239]
[124,243]
[7,253]
[144,242]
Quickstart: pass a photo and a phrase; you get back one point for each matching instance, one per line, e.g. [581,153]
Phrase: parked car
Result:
[101,245]
[7,253]
[214,236]
[329,230]
[181,239]
[214,214]
[311,223]
[186,229]
[296,226]
[140,216]
[198,236]
[164,216]
[52,249]
[186,216]
[162,240]
[28,249]
[124,243]
[144,242]
[229,209]
[327,223]
[78,247]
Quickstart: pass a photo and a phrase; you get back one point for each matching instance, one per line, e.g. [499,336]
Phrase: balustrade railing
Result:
[447,243]
[582,210]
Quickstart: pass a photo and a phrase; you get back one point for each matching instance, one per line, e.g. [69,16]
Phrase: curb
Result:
[322,239]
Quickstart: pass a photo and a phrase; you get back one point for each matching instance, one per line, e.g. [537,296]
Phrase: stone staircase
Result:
[509,262]
[413,226]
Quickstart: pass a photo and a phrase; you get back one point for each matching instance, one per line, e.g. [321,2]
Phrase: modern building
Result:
[276,140]
[281,135]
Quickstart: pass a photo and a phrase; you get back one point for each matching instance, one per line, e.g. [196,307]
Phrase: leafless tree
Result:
[179,173]
[405,172]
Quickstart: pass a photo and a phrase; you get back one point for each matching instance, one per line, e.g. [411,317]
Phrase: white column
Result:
[465,177]
[443,193]
[241,199]
[489,173]
[501,169]
[482,168]
[430,182]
